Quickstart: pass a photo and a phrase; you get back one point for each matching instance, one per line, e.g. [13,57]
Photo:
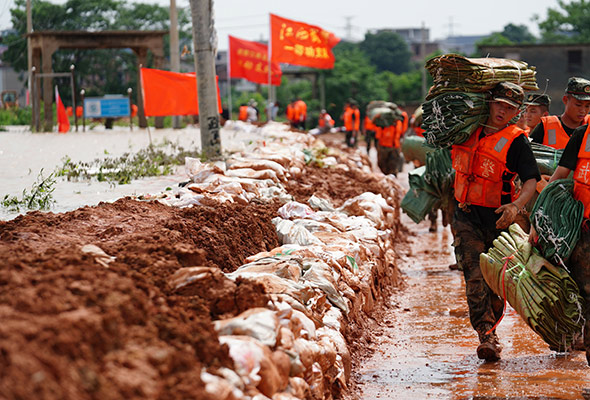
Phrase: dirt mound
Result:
[73,328]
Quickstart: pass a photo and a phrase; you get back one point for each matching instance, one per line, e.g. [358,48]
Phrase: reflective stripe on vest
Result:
[480,165]
[555,135]
[582,174]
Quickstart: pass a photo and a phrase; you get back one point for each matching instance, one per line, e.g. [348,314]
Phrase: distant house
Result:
[9,78]
[555,63]
[460,44]
[413,37]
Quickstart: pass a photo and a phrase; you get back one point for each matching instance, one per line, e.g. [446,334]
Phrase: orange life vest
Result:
[243,113]
[356,114]
[347,117]
[405,122]
[369,125]
[582,175]
[419,131]
[388,136]
[480,165]
[300,110]
[325,119]
[555,135]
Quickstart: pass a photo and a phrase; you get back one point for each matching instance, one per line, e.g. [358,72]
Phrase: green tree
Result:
[518,34]
[387,51]
[98,71]
[495,39]
[568,23]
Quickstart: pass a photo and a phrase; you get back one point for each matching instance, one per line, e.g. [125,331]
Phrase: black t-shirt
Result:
[520,161]
[569,158]
[538,133]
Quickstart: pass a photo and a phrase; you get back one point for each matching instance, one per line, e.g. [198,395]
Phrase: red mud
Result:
[73,329]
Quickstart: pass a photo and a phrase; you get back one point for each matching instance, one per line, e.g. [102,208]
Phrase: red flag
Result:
[249,60]
[63,122]
[298,43]
[170,93]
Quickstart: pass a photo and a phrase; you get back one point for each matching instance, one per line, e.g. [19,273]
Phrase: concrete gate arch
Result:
[45,43]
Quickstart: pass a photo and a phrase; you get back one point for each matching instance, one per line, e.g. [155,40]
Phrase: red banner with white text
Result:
[171,93]
[299,43]
[249,60]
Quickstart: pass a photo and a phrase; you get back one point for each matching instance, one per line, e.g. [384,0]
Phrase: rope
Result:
[510,257]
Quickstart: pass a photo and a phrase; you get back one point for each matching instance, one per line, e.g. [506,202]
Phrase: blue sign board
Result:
[107,106]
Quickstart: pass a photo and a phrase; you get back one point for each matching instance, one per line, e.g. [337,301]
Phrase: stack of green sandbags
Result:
[430,185]
[456,73]
[415,148]
[451,118]
[547,157]
[557,217]
[544,295]
[384,113]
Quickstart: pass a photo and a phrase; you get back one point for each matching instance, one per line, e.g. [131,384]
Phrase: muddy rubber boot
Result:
[489,348]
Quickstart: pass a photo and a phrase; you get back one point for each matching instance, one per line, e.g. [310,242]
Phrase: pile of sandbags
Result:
[451,118]
[384,113]
[456,101]
[544,295]
[328,273]
[456,73]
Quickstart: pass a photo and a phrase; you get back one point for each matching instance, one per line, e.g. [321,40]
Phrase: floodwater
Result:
[24,154]
[427,346]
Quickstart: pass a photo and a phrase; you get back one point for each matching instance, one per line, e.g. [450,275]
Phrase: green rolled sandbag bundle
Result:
[547,157]
[418,202]
[544,295]
[430,185]
[456,73]
[557,217]
[451,118]
[415,148]
[384,113]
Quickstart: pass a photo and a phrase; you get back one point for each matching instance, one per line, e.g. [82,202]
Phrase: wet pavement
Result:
[427,346]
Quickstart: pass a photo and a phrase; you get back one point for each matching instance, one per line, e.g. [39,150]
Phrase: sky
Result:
[248,19]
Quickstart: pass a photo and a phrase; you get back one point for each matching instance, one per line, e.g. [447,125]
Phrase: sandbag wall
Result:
[327,277]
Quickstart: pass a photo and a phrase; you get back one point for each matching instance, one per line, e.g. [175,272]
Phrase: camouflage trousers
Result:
[579,265]
[389,160]
[485,307]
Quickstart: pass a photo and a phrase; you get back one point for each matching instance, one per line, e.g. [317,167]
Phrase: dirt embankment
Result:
[73,328]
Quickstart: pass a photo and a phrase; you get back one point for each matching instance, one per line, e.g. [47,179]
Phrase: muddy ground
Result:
[80,326]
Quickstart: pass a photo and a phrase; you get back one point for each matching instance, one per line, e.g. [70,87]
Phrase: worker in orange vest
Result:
[300,113]
[388,149]
[576,158]
[325,122]
[352,122]
[243,114]
[537,106]
[555,131]
[487,202]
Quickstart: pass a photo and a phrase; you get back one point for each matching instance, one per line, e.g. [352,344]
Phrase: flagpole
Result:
[229,81]
[269,62]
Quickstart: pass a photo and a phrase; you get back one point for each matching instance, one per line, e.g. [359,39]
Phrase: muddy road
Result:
[425,347]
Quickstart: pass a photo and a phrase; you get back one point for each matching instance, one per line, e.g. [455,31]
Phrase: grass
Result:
[40,196]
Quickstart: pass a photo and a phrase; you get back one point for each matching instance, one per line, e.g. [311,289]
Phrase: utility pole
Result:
[205,41]
[423,56]
[348,28]
[174,57]
[29,49]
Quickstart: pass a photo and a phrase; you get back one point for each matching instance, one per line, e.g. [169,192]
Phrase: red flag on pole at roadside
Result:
[170,93]
[249,60]
[299,43]
[63,122]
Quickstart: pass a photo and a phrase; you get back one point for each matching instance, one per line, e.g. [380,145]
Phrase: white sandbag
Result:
[260,323]
[294,209]
[220,388]
[318,274]
[253,174]
[317,203]
[289,232]
[284,267]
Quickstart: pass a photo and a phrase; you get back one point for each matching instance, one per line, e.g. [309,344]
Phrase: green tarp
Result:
[544,295]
